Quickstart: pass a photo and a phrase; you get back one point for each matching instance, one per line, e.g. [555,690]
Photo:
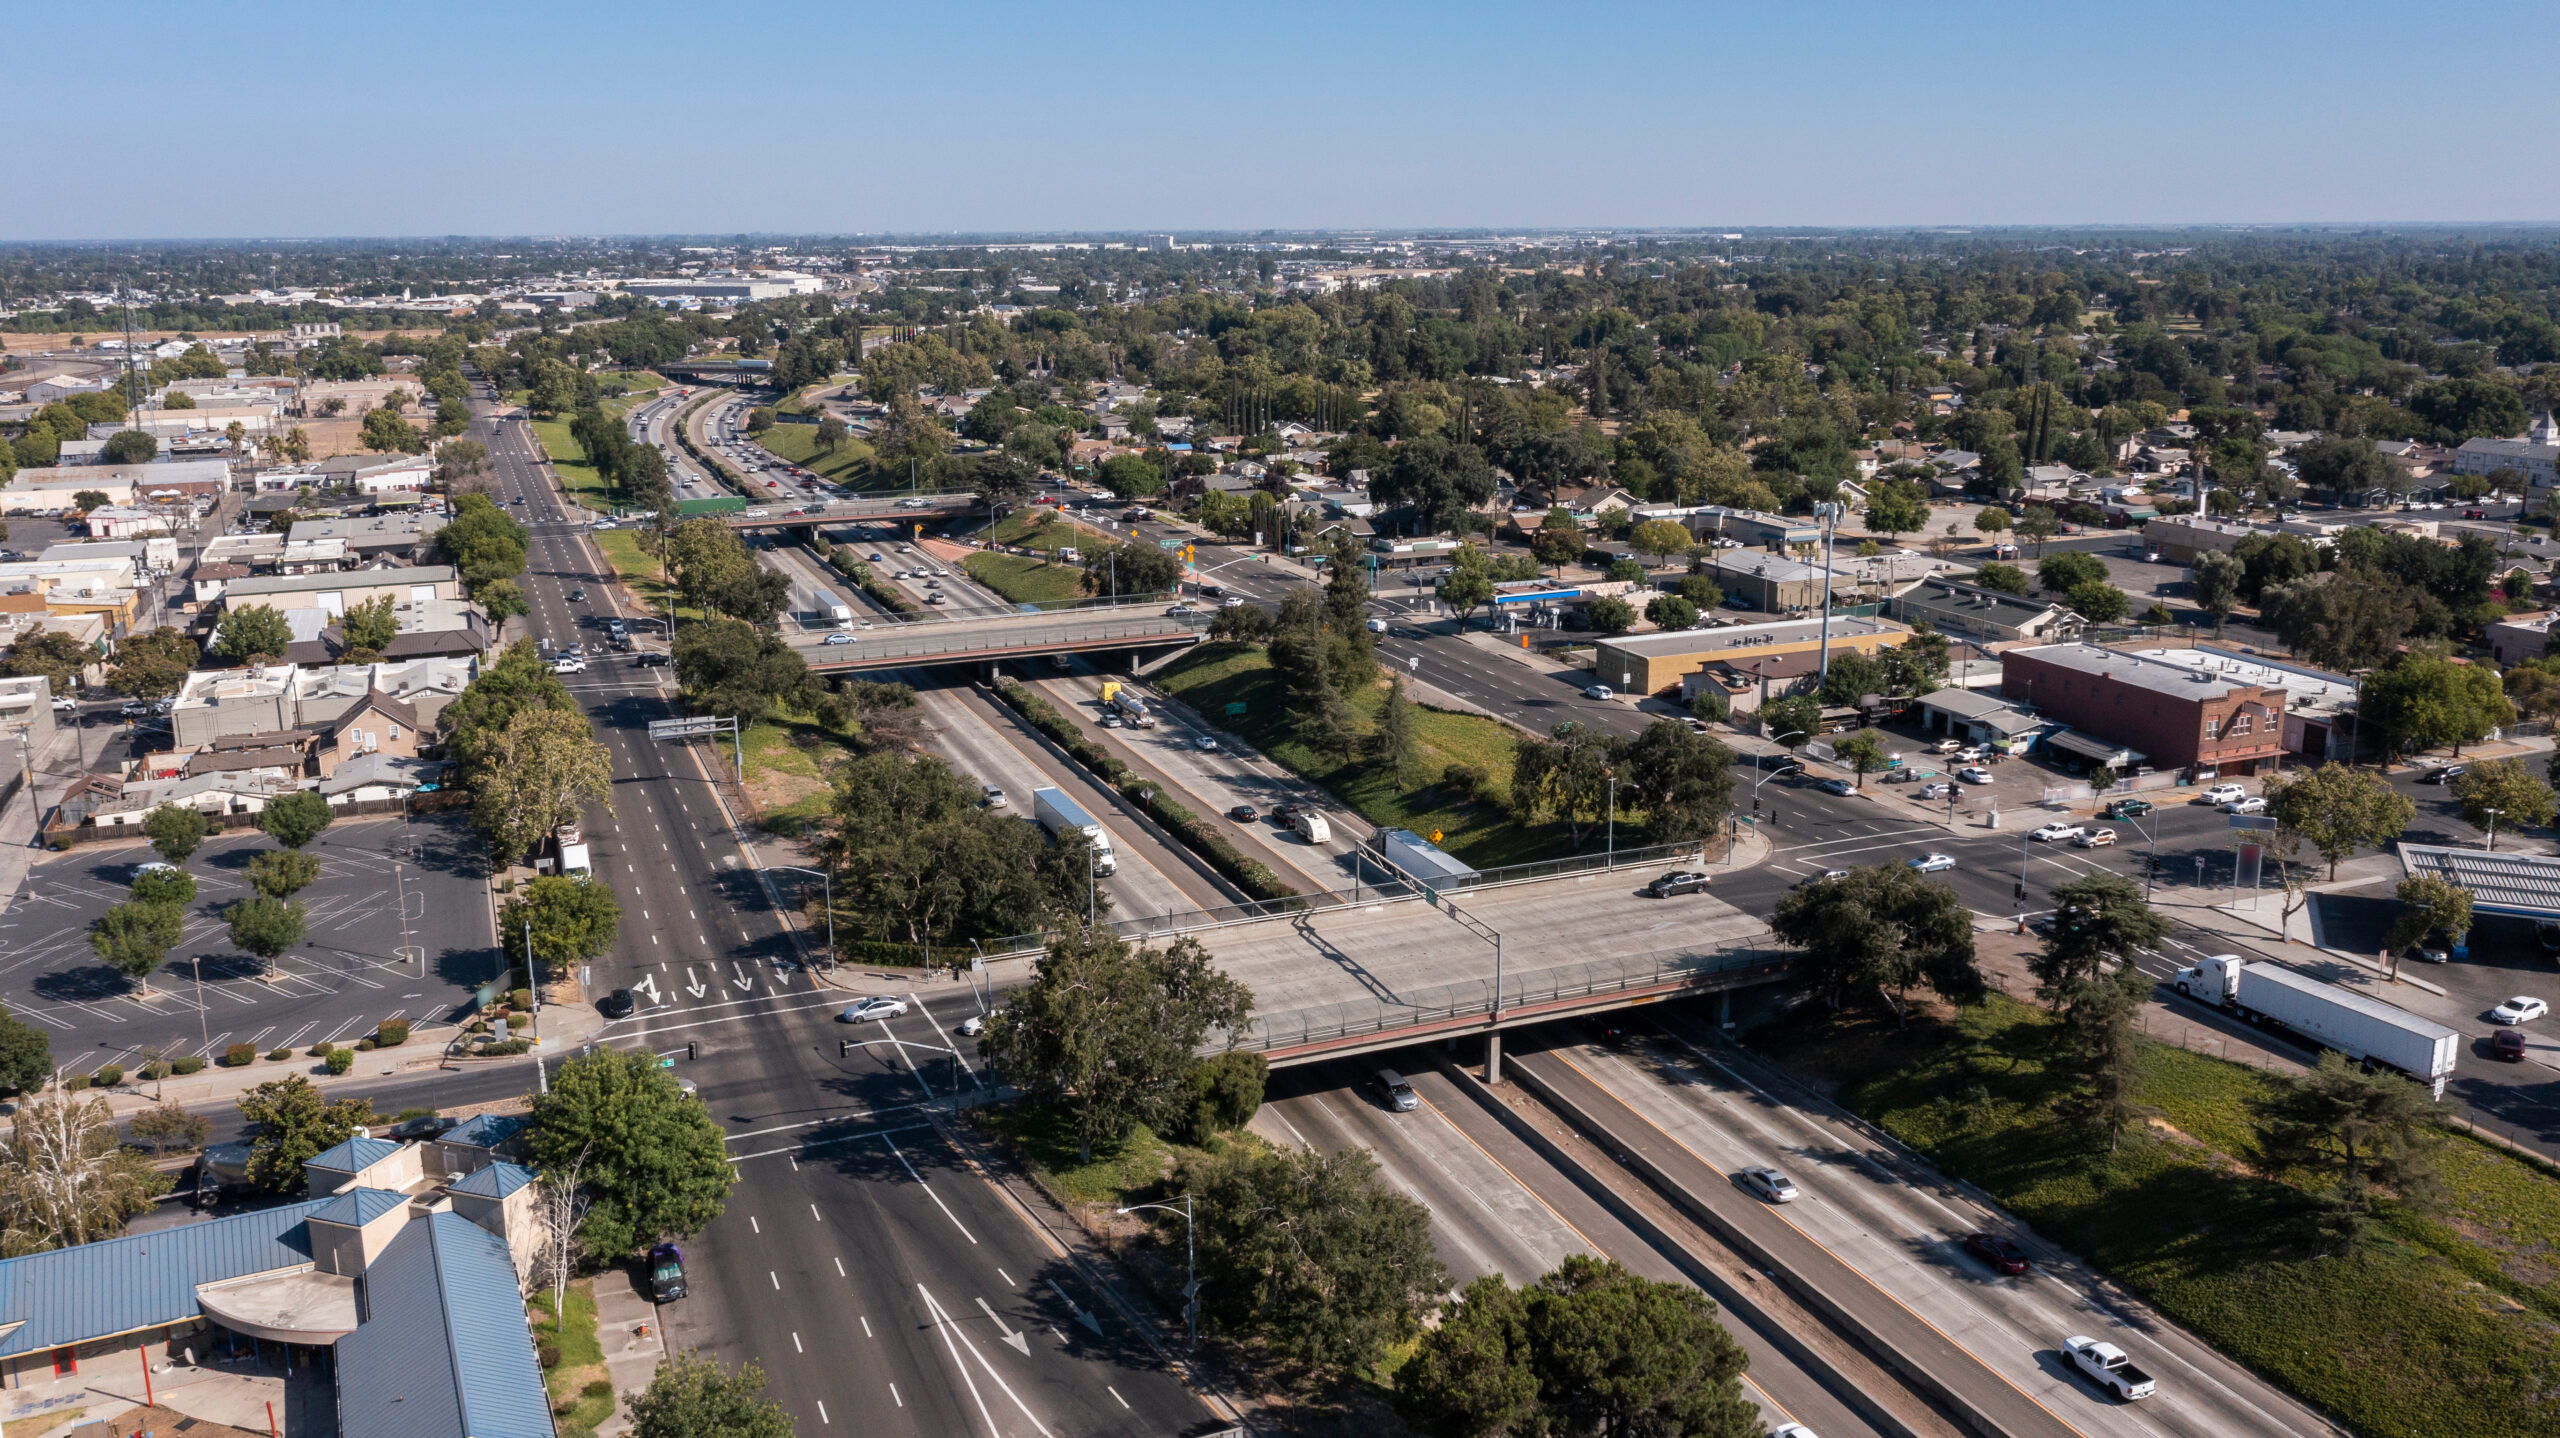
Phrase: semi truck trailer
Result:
[2362,1028]
[1059,814]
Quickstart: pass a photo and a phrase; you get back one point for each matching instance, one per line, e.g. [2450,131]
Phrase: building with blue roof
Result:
[445,1348]
[415,1286]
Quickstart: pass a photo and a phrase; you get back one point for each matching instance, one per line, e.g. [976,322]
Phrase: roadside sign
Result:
[1435,836]
[1168,544]
[1235,707]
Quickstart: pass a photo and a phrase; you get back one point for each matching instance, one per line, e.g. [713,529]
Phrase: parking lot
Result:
[399,928]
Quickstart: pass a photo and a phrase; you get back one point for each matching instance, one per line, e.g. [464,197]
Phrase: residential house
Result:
[375,724]
[2520,637]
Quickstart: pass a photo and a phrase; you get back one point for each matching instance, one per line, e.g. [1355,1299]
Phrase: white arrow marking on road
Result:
[693,985]
[742,981]
[1020,1344]
[1087,1319]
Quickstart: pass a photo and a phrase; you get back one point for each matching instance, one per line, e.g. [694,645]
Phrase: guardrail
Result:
[900,644]
[1474,998]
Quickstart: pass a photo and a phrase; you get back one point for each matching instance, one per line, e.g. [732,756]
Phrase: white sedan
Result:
[1974,776]
[875,1007]
[2055,833]
[2519,1010]
[2248,804]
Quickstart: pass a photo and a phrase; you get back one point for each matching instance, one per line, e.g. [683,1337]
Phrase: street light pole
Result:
[1190,1264]
[2493,827]
[828,883]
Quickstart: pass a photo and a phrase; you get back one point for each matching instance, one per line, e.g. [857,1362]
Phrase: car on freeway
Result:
[2093,838]
[2001,1253]
[2054,833]
[616,1005]
[1678,881]
[1973,775]
[1825,877]
[666,1273]
[577,596]
[1110,719]
[2125,809]
[1599,691]
[1177,611]
[1930,863]
[2522,1009]
[1767,1182]
[838,638]
[1281,814]
[878,1006]
[2507,1044]
[2246,804]
[1206,743]
[874,558]
[995,798]
[1789,1430]
[2221,794]
[1841,787]
[1244,813]
[1939,790]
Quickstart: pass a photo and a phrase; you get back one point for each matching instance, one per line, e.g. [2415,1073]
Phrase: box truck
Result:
[2359,1027]
[1057,813]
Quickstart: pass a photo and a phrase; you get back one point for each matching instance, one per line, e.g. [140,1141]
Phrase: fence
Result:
[1470,998]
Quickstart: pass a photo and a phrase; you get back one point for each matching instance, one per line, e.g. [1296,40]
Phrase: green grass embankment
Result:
[1025,580]
[2442,1323]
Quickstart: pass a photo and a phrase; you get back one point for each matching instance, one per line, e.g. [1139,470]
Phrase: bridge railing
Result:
[1473,998]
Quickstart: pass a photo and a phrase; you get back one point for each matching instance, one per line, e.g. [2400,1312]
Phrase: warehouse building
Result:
[1786,649]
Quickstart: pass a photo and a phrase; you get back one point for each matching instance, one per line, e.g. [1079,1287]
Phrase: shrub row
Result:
[1250,875]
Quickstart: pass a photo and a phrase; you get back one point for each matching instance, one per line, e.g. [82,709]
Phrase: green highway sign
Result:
[667,1063]
[1236,707]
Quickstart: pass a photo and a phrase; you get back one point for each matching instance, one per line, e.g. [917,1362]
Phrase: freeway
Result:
[854,1277]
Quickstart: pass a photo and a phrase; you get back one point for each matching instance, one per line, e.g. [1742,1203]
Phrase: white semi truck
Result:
[2359,1027]
[1058,814]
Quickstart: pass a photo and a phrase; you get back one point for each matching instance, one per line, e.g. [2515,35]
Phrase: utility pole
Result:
[1829,513]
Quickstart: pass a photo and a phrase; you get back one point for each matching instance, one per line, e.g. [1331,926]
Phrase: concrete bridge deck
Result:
[989,637]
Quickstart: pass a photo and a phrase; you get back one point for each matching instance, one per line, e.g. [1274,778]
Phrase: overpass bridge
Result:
[1370,968]
[920,509]
[992,638]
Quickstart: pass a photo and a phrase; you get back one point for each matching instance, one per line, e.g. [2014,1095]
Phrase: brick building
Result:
[2173,715]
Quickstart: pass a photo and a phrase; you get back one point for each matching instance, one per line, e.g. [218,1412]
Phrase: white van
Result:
[1400,1094]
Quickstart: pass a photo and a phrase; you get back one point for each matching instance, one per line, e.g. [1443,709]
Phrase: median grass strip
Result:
[848,464]
[585,487]
[1040,527]
[1250,875]
[1234,687]
[791,763]
[1025,580]
[2445,1323]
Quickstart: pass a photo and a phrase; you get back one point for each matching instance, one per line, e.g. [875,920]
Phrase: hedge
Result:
[239,1056]
[391,1032]
[107,1076]
[1250,875]
[339,1060]
[187,1064]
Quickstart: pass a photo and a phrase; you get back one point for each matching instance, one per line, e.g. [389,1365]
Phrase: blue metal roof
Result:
[486,1130]
[445,1350]
[72,1295]
[496,1181]
[353,1156]
[358,1207]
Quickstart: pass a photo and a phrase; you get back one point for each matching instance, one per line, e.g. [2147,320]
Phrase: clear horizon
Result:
[298,121]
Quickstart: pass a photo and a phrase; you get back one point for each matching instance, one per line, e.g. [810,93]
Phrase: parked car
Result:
[65,704]
[425,1127]
[2125,809]
[1946,746]
[1768,1183]
[1930,863]
[2093,838]
[2001,1253]
[1678,881]
[1974,775]
[1939,790]
[878,1006]
[1971,754]
[2521,1009]
[2220,794]
[666,1273]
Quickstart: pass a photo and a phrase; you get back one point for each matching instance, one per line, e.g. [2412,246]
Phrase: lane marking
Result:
[928,1190]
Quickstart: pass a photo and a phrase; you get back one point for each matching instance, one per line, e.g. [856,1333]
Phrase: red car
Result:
[2000,1253]
[2507,1044]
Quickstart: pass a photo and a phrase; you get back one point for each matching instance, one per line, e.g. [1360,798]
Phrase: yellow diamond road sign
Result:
[1435,836]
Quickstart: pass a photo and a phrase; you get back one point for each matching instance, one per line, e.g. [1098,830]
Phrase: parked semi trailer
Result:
[2359,1027]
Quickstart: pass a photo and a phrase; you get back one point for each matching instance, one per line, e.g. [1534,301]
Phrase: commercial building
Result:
[1990,616]
[2520,637]
[1978,718]
[1754,653]
[2185,709]
[220,703]
[407,536]
[48,488]
[2536,455]
[336,592]
[1752,528]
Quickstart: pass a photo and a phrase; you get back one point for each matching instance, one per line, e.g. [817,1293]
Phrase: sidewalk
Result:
[634,1342]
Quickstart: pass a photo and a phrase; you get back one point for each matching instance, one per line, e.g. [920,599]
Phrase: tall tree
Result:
[2338,810]
[651,1157]
[295,1124]
[2100,1018]
[1897,507]
[174,831]
[2503,793]
[1391,745]
[267,926]
[26,1055]
[692,1396]
[1110,1031]
[1881,931]
[2098,920]
[135,938]
[297,818]
[283,873]
[371,625]
[569,920]
[66,1177]
[57,656]
[539,772]
[152,664]
[253,633]
[2213,582]
[1683,779]
[2363,1137]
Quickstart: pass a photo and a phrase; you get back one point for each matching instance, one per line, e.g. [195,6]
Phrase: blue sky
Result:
[176,120]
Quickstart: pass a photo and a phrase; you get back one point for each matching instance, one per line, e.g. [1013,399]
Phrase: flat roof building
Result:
[2179,708]
[1653,663]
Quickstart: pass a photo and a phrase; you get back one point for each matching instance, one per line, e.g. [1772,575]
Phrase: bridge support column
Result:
[1724,1009]
[1492,1058]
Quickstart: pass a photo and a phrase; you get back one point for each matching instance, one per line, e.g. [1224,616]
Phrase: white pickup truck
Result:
[2108,1366]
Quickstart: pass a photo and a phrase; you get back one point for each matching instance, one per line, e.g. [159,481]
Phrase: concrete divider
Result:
[1784,1338]
[1925,1358]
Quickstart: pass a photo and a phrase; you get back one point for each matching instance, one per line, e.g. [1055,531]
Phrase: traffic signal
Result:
[692,1049]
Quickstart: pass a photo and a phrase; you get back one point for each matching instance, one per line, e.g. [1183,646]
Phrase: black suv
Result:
[616,1005]
[666,1273]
